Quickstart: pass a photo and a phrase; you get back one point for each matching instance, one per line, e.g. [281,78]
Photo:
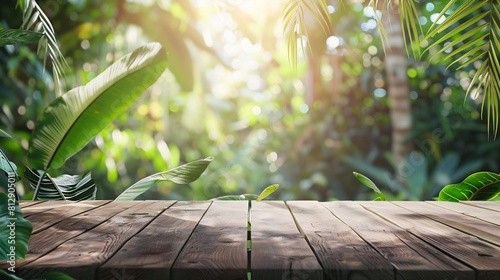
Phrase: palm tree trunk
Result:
[396,64]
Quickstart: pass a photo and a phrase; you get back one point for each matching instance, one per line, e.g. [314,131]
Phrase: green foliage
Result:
[73,119]
[14,229]
[15,36]
[477,186]
[369,183]
[265,193]
[35,19]
[295,27]
[255,117]
[474,45]
[64,187]
[183,174]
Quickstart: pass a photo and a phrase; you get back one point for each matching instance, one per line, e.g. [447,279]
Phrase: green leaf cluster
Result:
[477,186]
[469,31]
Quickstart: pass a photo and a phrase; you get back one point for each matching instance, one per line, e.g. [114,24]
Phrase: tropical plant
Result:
[15,231]
[35,19]
[471,34]
[265,193]
[370,184]
[477,186]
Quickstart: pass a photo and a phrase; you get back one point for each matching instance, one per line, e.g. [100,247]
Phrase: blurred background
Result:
[230,92]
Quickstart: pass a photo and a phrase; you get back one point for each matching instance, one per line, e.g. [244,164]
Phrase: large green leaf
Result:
[183,174]
[73,119]
[64,187]
[478,186]
[15,231]
[17,37]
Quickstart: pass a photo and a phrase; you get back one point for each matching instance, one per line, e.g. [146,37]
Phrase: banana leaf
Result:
[478,186]
[183,174]
[18,37]
[73,119]
[11,218]
[64,187]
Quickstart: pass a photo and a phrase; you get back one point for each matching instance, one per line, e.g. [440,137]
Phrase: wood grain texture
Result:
[341,252]
[80,256]
[492,205]
[279,250]
[473,226]
[295,240]
[484,214]
[47,240]
[27,203]
[478,254]
[151,253]
[217,247]
[411,258]
[61,212]
[42,206]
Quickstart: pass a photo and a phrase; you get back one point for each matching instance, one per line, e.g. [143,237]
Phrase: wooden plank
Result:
[411,258]
[278,250]
[59,212]
[150,254]
[488,215]
[481,229]
[44,206]
[478,254]
[47,240]
[27,203]
[492,205]
[217,247]
[341,252]
[80,256]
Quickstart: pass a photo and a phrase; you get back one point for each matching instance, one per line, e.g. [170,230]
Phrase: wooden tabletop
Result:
[273,240]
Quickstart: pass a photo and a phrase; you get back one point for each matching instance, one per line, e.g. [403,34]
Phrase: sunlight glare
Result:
[435,16]
[332,42]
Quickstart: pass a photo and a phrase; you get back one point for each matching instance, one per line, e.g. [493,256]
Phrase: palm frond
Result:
[410,22]
[411,28]
[376,4]
[473,35]
[294,23]
[35,19]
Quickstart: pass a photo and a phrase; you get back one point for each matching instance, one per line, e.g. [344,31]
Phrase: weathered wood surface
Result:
[288,240]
